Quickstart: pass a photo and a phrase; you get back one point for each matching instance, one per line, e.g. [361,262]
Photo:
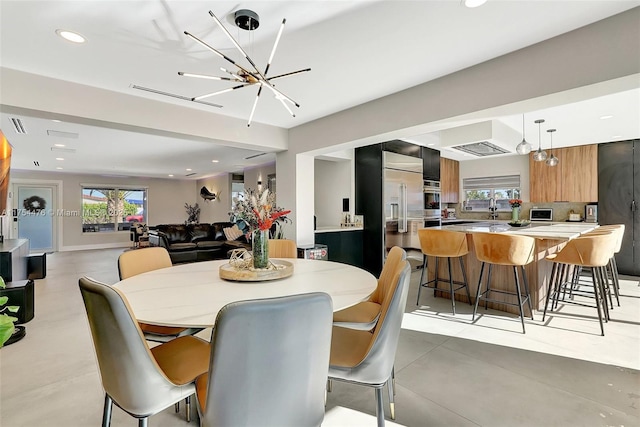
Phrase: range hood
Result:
[482,139]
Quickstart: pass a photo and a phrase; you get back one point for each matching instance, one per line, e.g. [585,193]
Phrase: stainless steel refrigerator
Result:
[403,200]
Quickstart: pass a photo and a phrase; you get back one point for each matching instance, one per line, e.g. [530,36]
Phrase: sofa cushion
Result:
[209,244]
[218,227]
[201,232]
[181,247]
[176,233]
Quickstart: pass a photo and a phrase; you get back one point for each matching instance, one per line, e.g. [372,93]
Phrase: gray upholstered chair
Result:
[134,262]
[282,248]
[269,363]
[141,381]
[367,358]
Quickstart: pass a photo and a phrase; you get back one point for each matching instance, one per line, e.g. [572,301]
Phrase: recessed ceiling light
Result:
[71,36]
[58,145]
[170,174]
[59,158]
[606,117]
[431,145]
[215,161]
[474,3]
[56,121]
[189,169]
[58,167]
[616,136]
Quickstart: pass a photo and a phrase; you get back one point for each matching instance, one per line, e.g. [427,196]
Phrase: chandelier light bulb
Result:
[552,160]
[524,147]
[540,155]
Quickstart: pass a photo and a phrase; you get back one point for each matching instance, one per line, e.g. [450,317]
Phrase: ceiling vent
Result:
[481,139]
[190,174]
[483,148]
[63,150]
[254,156]
[36,163]
[17,125]
[61,134]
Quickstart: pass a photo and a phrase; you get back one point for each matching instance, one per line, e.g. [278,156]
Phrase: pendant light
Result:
[524,147]
[540,155]
[553,160]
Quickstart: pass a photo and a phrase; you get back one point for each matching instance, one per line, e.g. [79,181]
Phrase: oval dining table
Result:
[191,295]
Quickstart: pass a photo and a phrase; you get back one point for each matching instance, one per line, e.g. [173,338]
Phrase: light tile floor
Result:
[450,371]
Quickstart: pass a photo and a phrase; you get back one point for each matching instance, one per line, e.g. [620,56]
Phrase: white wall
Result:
[332,184]
[497,166]
[165,205]
[215,210]
[260,173]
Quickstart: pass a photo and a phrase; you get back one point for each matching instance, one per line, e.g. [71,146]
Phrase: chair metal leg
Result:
[393,379]
[453,299]
[515,273]
[177,407]
[143,422]
[466,282]
[379,407]
[604,291]
[329,386]
[526,290]
[106,412]
[486,300]
[615,284]
[597,297]
[435,283]
[392,404]
[187,402]
[550,288]
[478,293]
[424,268]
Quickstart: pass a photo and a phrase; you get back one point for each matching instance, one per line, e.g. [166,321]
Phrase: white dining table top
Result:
[191,295]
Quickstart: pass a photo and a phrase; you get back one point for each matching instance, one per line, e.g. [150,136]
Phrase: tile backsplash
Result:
[561,211]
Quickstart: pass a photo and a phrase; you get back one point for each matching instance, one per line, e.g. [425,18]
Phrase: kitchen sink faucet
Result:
[493,208]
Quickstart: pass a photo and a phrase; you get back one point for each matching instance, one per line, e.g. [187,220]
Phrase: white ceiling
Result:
[357,51]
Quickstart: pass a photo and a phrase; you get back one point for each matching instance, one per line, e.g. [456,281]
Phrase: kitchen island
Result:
[549,239]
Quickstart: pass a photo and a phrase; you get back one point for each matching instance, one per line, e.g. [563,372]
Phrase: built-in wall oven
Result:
[431,196]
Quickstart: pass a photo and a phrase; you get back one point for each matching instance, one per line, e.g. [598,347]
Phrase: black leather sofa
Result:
[195,242]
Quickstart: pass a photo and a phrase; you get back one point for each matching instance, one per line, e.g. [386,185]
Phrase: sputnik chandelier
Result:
[245,76]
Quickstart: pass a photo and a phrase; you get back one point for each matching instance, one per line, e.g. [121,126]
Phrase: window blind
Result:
[507,181]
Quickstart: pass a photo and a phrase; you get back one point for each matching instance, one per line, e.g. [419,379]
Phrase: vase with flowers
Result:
[259,211]
[515,209]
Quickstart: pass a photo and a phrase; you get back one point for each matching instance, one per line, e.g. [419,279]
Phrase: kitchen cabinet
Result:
[343,246]
[619,198]
[430,164]
[574,179]
[449,180]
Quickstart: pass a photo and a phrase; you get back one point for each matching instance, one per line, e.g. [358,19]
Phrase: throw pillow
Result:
[232,233]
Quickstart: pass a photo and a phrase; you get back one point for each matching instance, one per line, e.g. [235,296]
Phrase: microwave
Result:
[541,214]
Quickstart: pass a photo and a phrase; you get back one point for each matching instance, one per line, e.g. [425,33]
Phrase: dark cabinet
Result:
[619,198]
[343,246]
[430,164]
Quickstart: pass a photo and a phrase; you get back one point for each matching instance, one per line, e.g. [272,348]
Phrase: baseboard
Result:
[96,246]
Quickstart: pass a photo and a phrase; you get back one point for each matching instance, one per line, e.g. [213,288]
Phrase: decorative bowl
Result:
[520,223]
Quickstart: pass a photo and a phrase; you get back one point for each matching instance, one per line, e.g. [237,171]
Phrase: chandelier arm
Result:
[220,54]
[284,104]
[280,95]
[237,45]
[275,45]
[173,95]
[198,98]
[204,76]
[255,103]
[288,74]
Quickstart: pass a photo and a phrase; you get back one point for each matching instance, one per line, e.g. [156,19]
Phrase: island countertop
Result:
[556,231]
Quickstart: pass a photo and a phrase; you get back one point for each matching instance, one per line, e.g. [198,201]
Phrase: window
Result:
[478,191]
[237,192]
[106,209]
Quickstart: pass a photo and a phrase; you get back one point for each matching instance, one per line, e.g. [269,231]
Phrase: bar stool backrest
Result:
[395,256]
[443,243]
[617,229]
[504,249]
[589,250]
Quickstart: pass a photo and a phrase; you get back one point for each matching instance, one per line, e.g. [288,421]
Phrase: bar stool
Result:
[443,244]
[612,266]
[594,251]
[504,249]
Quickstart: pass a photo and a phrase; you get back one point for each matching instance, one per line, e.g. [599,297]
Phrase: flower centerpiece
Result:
[259,211]
[515,209]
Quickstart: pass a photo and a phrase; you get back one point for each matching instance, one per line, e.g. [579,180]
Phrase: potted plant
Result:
[7,329]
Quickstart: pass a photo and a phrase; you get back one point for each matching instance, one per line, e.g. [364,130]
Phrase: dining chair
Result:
[282,248]
[139,380]
[138,261]
[269,363]
[367,358]
[365,314]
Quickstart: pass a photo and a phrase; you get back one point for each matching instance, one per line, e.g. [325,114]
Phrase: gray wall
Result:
[166,199]
[332,184]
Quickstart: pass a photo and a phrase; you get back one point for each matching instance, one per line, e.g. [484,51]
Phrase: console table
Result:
[13,259]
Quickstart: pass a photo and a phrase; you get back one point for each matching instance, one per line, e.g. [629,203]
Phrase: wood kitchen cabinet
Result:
[575,179]
[449,180]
